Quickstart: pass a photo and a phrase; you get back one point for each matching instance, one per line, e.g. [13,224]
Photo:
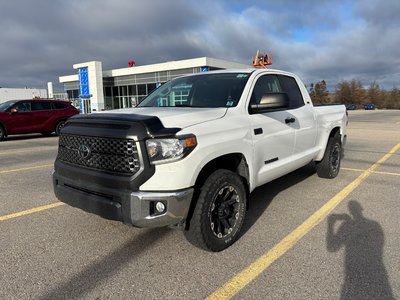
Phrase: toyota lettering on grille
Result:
[84,151]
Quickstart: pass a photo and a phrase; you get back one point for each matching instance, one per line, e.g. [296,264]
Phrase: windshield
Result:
[6,105]
[208,90]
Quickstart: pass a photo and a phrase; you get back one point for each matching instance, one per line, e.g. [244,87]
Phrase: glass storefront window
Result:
[134,101]
[123,90]
[115,91]
[132,90]
[73,96]
[142,90]
[108,103]
[107,92]
[151,87]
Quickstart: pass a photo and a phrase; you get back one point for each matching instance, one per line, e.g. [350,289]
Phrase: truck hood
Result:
[181,117]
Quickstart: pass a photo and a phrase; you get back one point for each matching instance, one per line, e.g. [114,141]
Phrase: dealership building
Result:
[18,94]
[93,89]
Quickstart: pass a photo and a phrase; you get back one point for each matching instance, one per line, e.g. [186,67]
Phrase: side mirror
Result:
[272,101]
[13,111]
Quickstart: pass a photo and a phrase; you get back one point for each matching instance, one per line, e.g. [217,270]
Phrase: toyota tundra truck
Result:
[192,151]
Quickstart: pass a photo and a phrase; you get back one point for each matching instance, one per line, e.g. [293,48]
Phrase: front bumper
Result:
[134,208]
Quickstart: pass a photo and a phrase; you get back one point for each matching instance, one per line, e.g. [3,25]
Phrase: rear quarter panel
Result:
[59,115]
[328,118]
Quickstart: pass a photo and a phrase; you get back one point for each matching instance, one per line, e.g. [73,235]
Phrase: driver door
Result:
[273,138]
[20,121]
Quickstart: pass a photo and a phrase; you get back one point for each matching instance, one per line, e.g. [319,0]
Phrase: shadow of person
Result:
[363,239]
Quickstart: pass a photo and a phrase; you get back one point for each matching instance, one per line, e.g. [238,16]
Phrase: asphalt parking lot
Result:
[304,237]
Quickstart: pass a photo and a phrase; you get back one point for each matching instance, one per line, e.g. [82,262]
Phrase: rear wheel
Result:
[59,126]
[219,213]
[2,133]
[329,166]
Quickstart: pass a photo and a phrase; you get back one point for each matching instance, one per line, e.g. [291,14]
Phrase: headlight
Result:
[161,151]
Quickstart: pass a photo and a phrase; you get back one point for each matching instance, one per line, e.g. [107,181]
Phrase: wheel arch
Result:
[332,133]
[329,166]
[60,120]
[57,122]
[235,162]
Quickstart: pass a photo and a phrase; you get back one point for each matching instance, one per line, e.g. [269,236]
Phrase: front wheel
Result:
[329,166]
[59,125]
[219,213]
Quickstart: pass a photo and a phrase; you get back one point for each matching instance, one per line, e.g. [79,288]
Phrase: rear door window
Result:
[291,88]
[40,105]
[60,105]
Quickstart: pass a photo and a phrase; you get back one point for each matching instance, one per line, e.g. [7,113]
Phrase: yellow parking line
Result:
[31,211]
[25,169]
[237,283]
[376,172]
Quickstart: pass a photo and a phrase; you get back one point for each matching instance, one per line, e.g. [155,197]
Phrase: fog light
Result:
[160,207]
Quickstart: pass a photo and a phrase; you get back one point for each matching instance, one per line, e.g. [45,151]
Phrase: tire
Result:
[329,166]
[59,125]
[219,213]
[2,133]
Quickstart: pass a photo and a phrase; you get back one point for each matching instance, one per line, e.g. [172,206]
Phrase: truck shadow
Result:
[96,273]
[262,196]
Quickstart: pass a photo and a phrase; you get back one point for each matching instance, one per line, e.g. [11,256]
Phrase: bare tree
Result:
[319,92]
[350,92]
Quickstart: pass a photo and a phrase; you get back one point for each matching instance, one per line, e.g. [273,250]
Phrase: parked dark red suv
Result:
[31,116]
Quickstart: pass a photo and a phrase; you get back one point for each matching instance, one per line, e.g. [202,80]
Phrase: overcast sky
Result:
[317,39]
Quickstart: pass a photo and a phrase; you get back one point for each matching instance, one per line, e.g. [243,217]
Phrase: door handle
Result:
[258,131]
[290,120]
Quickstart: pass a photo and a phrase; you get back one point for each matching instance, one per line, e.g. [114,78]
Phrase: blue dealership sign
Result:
[204,69]
[84,92]
[84,83]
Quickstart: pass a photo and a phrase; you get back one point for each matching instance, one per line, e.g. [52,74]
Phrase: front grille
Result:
[104,154]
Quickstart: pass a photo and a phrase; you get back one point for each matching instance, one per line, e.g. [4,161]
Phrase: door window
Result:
[39,105]
[23,106]
[291,88]
[265,85]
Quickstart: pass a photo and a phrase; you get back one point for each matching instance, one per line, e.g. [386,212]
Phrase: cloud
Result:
[41,40]
[379,13]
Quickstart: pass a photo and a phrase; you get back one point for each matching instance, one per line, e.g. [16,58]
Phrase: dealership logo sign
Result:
[84,151]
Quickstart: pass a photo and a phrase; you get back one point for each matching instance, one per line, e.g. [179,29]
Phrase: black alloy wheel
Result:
[329,166]
[224,212]
[219,212]
[335,158]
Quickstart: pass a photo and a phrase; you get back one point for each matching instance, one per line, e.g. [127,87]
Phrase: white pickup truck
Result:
[191,152]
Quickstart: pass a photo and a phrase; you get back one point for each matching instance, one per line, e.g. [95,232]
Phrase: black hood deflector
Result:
[118,125]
